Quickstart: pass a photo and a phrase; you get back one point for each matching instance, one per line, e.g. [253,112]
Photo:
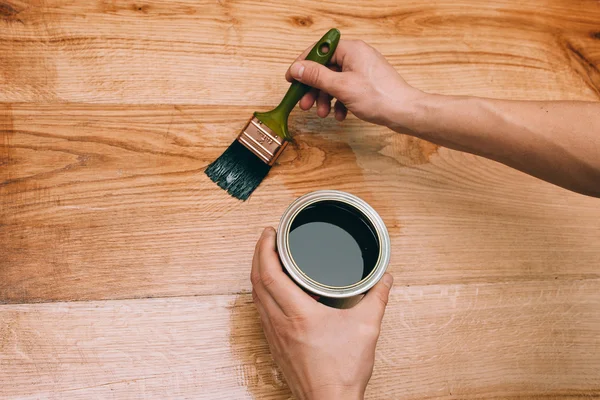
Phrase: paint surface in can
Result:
[333,243]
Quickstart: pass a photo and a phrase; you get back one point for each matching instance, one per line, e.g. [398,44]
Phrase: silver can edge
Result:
[299,277]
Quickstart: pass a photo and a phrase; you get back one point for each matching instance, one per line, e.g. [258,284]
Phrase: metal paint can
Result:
[355,216]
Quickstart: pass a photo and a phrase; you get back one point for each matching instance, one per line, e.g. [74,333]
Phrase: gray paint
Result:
[327,253]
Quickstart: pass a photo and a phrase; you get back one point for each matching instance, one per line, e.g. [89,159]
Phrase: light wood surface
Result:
[438,341]
[124,270]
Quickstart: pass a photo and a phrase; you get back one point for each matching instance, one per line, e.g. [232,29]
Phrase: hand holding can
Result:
[322,351]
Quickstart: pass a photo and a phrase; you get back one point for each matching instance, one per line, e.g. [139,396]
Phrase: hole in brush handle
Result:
[324,49]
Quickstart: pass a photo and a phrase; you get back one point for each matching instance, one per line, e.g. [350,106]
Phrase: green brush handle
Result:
[277,118]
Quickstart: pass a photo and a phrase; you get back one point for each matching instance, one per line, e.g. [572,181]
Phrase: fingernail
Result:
[297,70]
[268,231]
[388,280]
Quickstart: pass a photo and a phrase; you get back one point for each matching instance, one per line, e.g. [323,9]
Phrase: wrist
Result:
[335,392]
[411,114]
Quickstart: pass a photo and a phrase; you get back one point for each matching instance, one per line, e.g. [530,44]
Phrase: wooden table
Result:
[124,272]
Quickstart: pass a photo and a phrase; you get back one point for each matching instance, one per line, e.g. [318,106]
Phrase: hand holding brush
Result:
[247,161]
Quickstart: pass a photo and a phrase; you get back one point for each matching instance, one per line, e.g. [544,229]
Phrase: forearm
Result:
[332,393]
[555,141]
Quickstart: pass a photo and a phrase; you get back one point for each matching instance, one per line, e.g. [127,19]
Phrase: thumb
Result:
[315,75]
[375,301]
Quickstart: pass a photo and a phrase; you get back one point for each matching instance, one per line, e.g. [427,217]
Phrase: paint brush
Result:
[247,161]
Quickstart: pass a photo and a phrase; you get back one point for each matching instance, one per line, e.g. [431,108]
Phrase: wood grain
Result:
[231,52]
[450,341]
[111,202]
[124,270]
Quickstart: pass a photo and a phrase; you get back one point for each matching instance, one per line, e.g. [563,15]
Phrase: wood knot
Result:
[143,8]
[8,12]
[302,21]
[595,35]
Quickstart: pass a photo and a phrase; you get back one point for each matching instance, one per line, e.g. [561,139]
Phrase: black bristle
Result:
[238,170]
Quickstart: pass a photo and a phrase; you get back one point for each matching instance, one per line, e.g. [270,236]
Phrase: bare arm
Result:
[555,141]
[558,142]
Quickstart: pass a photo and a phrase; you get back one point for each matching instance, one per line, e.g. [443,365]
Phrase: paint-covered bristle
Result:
[238,171]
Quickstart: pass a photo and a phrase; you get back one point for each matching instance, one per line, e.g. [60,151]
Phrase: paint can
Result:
[334,246]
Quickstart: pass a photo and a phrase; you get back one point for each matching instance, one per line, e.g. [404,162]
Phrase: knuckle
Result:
[299,322]
[254,278]
[314,75]
[361,44]
[293,328]
[303,327]
[284,333]
[370,331]
[279,327]
[267,279]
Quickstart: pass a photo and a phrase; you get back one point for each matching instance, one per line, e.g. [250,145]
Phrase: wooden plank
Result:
[536,339]
[235,53]
[111,202]
[109,111]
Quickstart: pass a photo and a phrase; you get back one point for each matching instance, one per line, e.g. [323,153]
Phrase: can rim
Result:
[300,277]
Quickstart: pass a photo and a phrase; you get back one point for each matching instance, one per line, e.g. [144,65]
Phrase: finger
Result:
[307,101]
[264,316]
[340,111]
[262,312]
[324,99]
[290,298]
[345,48]
[374,303]
[323,104]
[302,56]
[271,307]
[318,76]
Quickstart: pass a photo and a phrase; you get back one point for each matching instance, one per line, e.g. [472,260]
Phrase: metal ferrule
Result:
[262,141]
[340,297]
